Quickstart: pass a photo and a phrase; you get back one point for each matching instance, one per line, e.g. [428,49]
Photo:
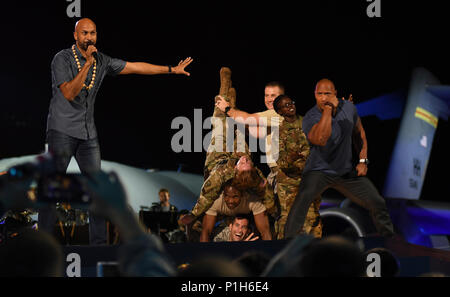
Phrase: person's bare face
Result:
[287,107]
[238,229]
[325,92]
[270,93]
[85,34]
[232,197]
[244,164]
[164,197]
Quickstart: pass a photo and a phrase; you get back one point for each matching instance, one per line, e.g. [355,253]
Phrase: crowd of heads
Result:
[332,256]
[36,253]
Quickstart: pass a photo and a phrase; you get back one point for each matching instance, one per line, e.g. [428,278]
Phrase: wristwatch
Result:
[227,109]
[364,161]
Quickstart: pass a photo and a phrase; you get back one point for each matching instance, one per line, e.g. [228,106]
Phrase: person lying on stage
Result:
[230,203]
[239,229]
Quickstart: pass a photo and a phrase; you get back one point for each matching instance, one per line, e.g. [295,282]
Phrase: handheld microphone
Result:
[94,54]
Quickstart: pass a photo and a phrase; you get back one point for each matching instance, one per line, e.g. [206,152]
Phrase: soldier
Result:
[292,155]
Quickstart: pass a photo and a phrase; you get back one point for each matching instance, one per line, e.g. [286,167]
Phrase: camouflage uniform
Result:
[220,167]
[220,174]
[292,139]
[224,235]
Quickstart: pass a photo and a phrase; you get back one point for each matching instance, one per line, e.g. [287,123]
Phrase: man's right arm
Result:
[239,116]
[244,117]
[207,227]
[321,132]
[252,120]
[249,119]
[71,89]
[212,188]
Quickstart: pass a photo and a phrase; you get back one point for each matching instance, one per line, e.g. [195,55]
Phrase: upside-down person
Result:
[224,164]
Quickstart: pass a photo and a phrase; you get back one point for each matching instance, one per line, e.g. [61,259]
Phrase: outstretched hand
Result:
[179,69]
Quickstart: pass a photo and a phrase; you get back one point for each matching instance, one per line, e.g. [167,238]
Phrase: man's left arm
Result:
[151,69]
[302,153]
[262,224]
[361,168]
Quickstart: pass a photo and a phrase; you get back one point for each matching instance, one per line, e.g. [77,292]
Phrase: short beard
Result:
[84,46]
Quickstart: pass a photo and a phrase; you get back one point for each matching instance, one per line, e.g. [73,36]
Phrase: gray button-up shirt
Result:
[76,118]
[336,156]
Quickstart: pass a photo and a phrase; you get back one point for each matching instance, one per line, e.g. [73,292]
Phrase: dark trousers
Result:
[87,155]
[358,189]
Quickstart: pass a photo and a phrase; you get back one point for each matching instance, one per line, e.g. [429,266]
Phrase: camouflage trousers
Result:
[287,189]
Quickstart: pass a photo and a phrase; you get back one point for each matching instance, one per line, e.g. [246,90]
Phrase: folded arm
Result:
[71,89]
[321,132]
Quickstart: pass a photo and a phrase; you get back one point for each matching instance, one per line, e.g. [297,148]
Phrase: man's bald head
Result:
[325,92]
[325,83]
[85,33]
[83,22]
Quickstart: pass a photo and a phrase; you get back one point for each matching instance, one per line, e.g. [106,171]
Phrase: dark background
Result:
[296,43]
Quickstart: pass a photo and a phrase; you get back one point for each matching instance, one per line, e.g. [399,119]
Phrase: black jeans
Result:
[87,155]
[358,189]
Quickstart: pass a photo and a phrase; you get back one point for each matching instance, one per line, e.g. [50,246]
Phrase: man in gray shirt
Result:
[77,74]
[329,127]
